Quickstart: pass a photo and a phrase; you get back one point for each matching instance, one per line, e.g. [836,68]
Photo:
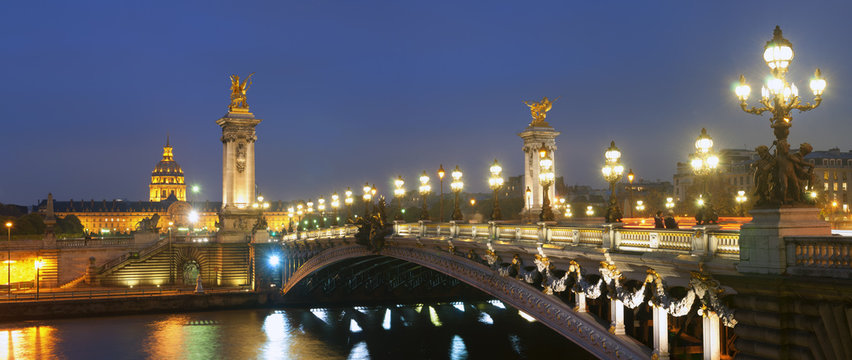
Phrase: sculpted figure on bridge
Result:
[538,111]
[782,178]
[238,92]
[149,224]
[372,231]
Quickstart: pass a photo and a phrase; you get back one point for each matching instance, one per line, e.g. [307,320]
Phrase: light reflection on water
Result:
[337,333]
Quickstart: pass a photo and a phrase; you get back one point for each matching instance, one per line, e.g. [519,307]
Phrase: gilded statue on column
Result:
[538,111]
[238,93]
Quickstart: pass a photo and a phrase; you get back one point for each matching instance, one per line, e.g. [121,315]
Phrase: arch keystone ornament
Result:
[549,310]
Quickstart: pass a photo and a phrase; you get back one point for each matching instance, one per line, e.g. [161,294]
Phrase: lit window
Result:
[825,175]
[844,186]
[826,186]
[835,186]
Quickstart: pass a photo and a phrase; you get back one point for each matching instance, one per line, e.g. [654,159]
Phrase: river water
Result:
[476,330]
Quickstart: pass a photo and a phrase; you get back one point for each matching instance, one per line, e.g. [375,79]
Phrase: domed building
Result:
[167,178]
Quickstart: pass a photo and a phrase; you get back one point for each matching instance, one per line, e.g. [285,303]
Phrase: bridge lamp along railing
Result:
[335,204]
[590,211]
[496,182]
[545,177]
[424,190]
[367,197]
[457,185]
[704,164]
[441,174]
[640,207]
[399,193]
[741,198]
[568,212]
[630,177]
[9,259]
[669,203]
[612,172]
[778,96]
[348,201]
[321,210]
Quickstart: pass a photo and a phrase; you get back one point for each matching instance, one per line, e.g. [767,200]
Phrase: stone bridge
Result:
[621,293]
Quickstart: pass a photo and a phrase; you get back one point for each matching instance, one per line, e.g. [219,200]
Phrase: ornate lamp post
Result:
[741,198]
[779,98]
[704,164]
[568,212]
[9,260]
[38,264]
[457,186]
[399,192]
[424,193]
[367,197]
[321,209]
[545,177]
[348,200]
[496,182]
[590,210]
[441,199]
[612,172]
[670,203]
[630,177]
[640,207]
[335,204]
[291,211]
[300,212]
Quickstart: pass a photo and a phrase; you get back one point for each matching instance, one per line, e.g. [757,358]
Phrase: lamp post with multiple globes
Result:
[399,192]
[367,197]
[457,186]
[612,172]
[348,200]
[630,177]
[441,199]
[496,182]
[741,198]
[424,189]
[778,96]
[335,204]
[545,177]
[704,164]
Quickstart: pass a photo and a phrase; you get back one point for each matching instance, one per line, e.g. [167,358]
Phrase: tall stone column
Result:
[534,137]
[237,218]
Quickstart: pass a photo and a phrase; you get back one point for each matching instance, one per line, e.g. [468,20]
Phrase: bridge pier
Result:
[661,333]
[710,336]
[616,313]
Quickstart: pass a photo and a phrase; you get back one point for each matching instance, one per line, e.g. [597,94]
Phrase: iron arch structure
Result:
[581,329]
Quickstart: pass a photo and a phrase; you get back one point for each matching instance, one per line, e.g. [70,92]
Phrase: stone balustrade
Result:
[95,242]
[819,256]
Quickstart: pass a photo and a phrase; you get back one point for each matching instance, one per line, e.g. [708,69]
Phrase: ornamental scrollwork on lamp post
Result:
[545,177]
[704,164]
[612,172]
[424,189]
[457,185]
[496,182]
[782,178]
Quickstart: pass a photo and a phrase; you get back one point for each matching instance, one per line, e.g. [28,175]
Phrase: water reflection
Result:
[417,331]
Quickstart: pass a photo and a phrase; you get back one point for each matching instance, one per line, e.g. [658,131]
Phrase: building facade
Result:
[833,168]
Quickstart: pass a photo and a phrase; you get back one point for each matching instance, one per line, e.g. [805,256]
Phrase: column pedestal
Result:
[534,137]
[762,247]
[616,313]
[661,333]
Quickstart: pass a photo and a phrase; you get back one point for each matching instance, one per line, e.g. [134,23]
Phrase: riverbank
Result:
[69,308]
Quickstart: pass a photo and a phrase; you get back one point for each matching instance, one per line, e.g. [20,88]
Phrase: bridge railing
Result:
[697,240]
[820,256]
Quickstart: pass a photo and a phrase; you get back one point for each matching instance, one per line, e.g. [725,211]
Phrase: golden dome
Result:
[167,167]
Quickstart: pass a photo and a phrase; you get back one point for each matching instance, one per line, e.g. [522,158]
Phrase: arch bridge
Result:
[616,292]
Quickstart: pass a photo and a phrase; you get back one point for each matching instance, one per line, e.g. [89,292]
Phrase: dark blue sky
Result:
[356,91]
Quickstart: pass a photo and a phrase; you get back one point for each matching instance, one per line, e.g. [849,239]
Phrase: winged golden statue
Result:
[238,92]
[539,110]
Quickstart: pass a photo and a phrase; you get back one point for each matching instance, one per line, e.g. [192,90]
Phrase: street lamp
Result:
[9,260]
[38,264]
[321,209]
[741,198]
[590,210]
[568,212]
[348,200]
[441,199]
[457,186]
[704,163]
[424,192]
[367,197]
[778,96]
[630,177]
[640,207]
[612,172]
[669,203]
[545,177]
[399,192]
[335,203]
[496,182]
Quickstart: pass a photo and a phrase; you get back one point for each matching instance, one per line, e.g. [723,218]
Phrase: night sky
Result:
[356,91]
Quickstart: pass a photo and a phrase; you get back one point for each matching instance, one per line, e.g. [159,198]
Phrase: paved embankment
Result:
[27,310]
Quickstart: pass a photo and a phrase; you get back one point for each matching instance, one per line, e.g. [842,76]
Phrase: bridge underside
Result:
[581,328]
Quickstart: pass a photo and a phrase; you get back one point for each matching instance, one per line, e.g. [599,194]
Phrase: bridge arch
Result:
[581,329]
